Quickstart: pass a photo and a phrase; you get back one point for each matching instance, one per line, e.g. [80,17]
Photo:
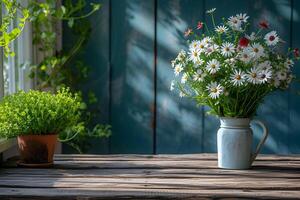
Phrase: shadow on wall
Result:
[182,127]
[132,76]
[179,120]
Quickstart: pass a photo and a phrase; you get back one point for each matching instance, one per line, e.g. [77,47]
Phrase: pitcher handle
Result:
[263,139]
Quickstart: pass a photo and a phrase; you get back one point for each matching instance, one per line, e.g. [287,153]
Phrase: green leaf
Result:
[71,22]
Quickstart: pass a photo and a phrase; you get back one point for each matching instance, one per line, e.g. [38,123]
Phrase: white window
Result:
[15,70]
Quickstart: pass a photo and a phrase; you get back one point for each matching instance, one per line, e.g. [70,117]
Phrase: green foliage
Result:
[40,113]
[81,142]
[64,67]
[11,9]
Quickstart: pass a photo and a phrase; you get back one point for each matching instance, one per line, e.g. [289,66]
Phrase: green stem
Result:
[237,100]
[206,28]
[248,100]
[69,139]
[79,17]
[213,20]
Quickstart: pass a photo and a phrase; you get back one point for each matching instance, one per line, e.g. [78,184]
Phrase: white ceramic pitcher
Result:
[235,143]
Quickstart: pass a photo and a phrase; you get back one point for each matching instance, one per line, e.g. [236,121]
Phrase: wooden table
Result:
[152,177]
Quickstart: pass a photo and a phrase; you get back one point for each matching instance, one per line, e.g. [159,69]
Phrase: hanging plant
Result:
[12,10]
[59,68]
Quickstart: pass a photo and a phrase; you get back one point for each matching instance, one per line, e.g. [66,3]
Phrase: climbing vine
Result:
[61,67]
[12,12]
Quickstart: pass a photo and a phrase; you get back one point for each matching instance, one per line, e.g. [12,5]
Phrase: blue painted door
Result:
[132,44]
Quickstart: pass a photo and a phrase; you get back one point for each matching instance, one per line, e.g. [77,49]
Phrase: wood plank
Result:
[170,173]
[174,194]
[156,177]
[202,156]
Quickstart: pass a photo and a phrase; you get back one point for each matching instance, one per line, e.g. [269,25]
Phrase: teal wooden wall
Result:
[132,44]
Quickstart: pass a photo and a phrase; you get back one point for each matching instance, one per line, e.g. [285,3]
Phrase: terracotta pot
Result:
[37,149]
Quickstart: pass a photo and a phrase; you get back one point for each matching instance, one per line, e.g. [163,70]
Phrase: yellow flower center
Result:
[214,90]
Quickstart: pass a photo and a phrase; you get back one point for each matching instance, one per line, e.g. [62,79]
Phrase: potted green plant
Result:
[36,118]
[231,70]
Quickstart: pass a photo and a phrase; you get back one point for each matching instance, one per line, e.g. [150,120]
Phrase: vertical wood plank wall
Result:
[132,44]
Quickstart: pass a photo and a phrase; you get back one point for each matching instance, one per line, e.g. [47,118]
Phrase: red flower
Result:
[188,32]
[296,53]
[243,42]
[264,24]
[199,25]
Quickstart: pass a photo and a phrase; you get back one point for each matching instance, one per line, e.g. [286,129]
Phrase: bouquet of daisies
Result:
[230,70]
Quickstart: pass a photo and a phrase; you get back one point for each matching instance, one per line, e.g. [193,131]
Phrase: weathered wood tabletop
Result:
[152,177]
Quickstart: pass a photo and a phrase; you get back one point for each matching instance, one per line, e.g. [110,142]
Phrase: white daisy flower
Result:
[207,40]
[194,55]
[172,85]
[221,29]
[208,51]
[230,61]
[199,75]
[288,64]
[215,47]
[178,68]
[245,56]
[211,49]
[281,75]
[265,76]
[251,37]
[181,56]
[202,46]
[289,79]
[173,63]
[184,78]
[210,11]
[235,23]
[257,50]
[276,82]
[214,89]
[213,66]
[194,45]
[271,38]
[199,63]
[238,78]
[266,65]
[199,71]
[243,17]
[227,49]
[181,94]
[253,76]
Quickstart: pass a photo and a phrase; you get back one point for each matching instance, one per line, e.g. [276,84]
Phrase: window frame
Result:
[18,75]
